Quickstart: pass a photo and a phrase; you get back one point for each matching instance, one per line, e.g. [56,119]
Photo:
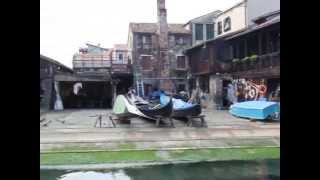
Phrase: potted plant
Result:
[253,60]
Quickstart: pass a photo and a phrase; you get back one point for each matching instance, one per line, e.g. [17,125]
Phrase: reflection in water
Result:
[240,170]
[115,175]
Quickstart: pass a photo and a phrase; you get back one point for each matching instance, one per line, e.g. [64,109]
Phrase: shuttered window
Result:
[181,62]
[146,63]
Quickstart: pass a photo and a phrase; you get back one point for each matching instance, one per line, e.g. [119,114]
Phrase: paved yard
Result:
[73,130]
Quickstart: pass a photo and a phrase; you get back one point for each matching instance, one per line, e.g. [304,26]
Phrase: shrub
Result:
[253,58]
[236,61]
[246,59]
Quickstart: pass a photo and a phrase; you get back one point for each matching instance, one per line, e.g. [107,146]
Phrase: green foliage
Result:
[236,61]
[244,60]
[253,58]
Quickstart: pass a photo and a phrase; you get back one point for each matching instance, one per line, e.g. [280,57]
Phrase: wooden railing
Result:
[261,62]
[91,64]
[114,69]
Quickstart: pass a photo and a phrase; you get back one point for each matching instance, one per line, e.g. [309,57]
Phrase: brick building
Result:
[156,50]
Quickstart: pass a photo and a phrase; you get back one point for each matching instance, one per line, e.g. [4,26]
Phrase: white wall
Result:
[238,19]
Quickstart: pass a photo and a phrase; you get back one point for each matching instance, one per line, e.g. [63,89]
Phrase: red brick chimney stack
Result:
[163,58]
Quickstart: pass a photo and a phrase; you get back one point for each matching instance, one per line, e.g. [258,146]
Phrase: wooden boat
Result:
[259,110]
[182,109]
[164,110]
[137,100]
[193,110]
[123,108]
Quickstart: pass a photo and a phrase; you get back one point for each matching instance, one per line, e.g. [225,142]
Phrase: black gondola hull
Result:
[164,111]
[183,113]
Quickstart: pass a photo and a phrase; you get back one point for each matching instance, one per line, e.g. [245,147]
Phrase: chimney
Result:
[162,25]
[163,58]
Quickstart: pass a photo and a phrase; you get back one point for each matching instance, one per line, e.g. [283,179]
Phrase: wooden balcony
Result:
[121,69]
[261,62]
[91,64]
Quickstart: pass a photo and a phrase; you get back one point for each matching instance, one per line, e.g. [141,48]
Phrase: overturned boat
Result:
[123,108]
[162,110]
[181,109]
[258,110]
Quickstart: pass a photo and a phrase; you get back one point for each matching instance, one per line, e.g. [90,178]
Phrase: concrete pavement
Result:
[73,131]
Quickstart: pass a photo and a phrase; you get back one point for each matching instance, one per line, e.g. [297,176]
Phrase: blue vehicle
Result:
[259,110]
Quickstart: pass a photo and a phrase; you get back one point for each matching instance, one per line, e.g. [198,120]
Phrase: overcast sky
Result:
[66,25]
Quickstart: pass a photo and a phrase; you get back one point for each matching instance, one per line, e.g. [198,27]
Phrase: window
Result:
[210,31]
[227,24]
[219,27]
[172,40]
[179,41]
[146,63]
[146,41]
[181,87]
[139,41]
[181,62]
[120,57]
[199,31]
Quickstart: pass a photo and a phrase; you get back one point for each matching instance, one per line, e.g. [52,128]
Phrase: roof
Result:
[213,13]
[229,9]
[256,27]
[54,62]
[267,15]
[120,47]
[89,44]
[152,28]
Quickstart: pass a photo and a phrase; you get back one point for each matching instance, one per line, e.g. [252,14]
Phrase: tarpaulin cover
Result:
[177,103]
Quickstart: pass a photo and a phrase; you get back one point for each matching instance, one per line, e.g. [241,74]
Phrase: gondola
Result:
[123,108]
[162,110]
[182,109]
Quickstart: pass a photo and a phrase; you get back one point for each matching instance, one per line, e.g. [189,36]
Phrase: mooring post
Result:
[171,121]
[158,121]
[189,123]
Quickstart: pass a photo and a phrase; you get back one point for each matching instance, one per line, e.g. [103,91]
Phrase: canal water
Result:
[240,170]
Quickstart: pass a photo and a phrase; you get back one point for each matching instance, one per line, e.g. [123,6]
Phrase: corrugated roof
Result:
[255,27]
[214,13]
[152,28]
[54,62]
[97,46]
